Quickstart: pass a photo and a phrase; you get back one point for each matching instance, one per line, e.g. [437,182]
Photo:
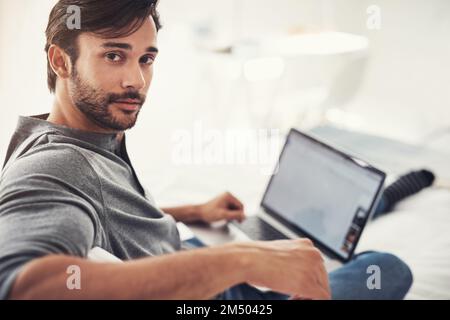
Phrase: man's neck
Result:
[66,114]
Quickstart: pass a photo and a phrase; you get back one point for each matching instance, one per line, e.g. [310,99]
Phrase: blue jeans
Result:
[381,208]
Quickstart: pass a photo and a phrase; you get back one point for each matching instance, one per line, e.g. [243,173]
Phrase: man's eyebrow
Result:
[152,49]
[126,46]
[120,45]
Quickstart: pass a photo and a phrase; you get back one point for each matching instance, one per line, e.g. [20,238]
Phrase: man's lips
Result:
[130,101]
[129,104]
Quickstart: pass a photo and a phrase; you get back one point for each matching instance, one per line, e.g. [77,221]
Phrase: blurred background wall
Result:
[395,81]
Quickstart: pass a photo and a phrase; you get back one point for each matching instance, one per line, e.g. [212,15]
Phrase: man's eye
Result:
[114,57]
[147,60]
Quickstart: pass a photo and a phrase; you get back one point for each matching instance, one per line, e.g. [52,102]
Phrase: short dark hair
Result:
[107,18]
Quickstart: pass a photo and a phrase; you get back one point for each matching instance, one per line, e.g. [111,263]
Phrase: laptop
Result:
[318,192]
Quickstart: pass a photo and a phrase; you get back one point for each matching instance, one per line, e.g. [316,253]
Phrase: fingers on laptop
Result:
[234,215]
[236,208]
[320,288]
[234,202]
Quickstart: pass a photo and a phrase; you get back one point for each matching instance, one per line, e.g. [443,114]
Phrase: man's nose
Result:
[133,79]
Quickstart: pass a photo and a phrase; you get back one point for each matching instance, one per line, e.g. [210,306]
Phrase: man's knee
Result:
[395,276]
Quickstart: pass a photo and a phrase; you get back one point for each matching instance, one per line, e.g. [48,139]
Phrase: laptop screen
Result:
[323,192]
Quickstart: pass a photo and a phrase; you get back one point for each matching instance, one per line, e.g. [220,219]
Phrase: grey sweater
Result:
[65,191]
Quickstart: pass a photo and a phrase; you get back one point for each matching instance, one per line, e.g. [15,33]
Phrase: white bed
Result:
[418,232]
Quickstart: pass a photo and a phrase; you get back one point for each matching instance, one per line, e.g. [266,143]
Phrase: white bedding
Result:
[418,232]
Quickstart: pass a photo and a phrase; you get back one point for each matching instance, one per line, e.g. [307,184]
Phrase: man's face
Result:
[111,77]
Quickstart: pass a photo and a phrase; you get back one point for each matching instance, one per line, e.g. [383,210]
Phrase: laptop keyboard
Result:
[257,229]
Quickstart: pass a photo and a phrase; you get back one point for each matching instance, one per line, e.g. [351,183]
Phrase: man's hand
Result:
[293,267]
[223,207]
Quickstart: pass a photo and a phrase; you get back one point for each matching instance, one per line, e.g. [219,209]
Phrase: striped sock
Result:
[407,185]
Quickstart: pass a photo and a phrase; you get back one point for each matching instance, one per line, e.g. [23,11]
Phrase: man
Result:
[68,185]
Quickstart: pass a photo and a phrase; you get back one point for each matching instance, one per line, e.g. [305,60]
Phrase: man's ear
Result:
[59,61]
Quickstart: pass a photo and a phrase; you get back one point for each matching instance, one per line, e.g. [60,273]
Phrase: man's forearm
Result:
[188,213]
[196,274]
